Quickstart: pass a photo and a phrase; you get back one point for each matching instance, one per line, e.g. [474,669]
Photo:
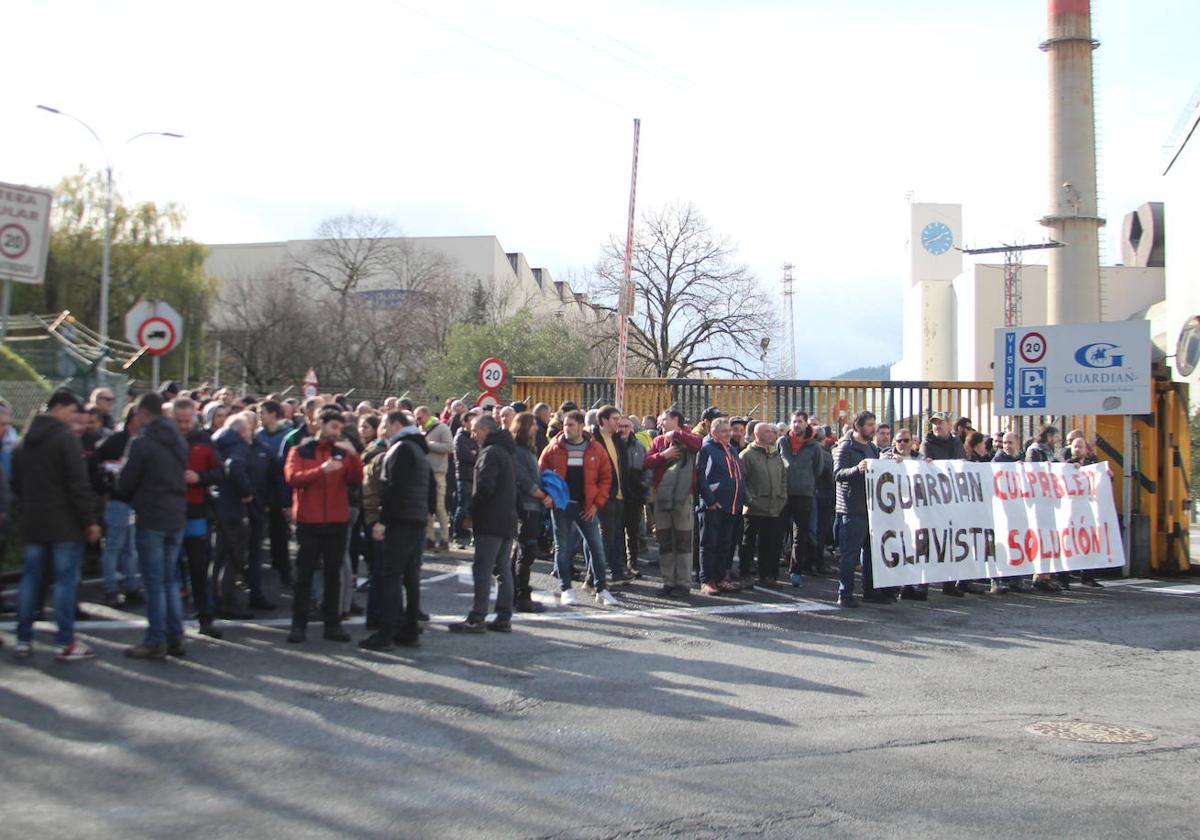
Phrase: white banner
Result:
[955,520]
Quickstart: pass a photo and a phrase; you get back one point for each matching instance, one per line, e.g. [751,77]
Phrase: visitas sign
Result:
[1097,368]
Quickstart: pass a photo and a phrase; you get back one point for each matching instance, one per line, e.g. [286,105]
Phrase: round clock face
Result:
[937,238]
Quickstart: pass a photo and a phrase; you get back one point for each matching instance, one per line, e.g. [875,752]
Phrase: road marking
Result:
[1182,589]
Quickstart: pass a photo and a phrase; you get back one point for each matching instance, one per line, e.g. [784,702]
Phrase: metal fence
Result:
[833,402]
[25,397]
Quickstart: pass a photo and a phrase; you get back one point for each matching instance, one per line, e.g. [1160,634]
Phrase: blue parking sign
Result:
[1033,387]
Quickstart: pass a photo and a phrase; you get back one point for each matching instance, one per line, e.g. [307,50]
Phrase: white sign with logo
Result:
[154,325]
[24,233]
[1100,368]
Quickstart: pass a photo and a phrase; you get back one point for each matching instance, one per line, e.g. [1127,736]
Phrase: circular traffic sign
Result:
[1033,347]
[492,375]
[14,241]
[157,335]
[486,400]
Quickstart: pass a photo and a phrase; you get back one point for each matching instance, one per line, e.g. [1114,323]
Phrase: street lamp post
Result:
[106,258]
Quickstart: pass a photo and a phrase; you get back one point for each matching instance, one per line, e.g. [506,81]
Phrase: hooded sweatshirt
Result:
[50,481]
[152,478]
[236,483]
[802,458]
[494,503]
[405,479]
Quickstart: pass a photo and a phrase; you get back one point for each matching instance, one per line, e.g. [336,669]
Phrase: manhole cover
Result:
[1092,733]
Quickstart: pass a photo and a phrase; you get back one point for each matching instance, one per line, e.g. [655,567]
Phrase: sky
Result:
[799,129]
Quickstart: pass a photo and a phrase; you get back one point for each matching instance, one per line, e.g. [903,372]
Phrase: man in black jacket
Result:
[153,481]
[57,513]
[494,513]
[939,443]
[406,485]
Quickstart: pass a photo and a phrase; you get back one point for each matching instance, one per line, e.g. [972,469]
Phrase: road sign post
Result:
[24,241]
[311,384]
[492,376]
[155,325]
[1099,368]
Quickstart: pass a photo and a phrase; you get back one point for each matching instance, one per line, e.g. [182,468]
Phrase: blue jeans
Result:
[464,489]
[118,548]
[567,525]
[66,557]
[612,534]
[854,546]
[157,553]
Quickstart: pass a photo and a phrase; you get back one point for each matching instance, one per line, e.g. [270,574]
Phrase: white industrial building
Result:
[1181,188]
[507,276]
[953,306]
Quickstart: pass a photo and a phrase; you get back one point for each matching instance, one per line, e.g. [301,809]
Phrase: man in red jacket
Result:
[584,465]
[320,470]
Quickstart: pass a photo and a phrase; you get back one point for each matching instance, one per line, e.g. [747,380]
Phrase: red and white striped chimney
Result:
[1073,287]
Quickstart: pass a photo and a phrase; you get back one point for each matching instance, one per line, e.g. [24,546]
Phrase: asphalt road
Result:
[765,715]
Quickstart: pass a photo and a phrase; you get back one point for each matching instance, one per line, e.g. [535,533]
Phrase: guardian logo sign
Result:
[1101,368]
[1101,354]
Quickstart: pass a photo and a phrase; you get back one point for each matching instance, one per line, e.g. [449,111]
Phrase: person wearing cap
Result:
[939,444]
[706,419]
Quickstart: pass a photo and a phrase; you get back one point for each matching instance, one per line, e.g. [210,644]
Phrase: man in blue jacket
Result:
[719,482]
[271,435]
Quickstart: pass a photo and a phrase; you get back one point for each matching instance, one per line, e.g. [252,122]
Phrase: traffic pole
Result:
[625,302]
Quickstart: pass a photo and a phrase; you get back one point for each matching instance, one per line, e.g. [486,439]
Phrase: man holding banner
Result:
[854,453]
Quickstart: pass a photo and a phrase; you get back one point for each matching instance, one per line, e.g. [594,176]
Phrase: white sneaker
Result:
[23,650]
[567,598]
[74,651]
[605,598]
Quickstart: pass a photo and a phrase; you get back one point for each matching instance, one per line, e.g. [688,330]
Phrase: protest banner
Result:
[954,520]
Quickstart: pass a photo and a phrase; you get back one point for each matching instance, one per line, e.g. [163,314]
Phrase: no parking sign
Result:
[154,325]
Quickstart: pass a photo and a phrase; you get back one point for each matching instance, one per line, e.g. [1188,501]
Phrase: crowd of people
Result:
[191,495]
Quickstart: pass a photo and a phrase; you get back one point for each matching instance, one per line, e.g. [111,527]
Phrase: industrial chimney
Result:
[1073,287]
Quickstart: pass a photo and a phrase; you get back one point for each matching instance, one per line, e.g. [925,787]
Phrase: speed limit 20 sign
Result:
[24,233]
[492,374]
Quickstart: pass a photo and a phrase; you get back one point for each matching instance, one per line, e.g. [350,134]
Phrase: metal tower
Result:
[788,369]
[1013,258]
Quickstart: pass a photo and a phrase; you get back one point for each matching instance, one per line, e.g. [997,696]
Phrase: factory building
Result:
[506,276]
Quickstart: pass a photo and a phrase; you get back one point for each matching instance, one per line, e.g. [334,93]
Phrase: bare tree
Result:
[696,309]
[268,327]
[349,249]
